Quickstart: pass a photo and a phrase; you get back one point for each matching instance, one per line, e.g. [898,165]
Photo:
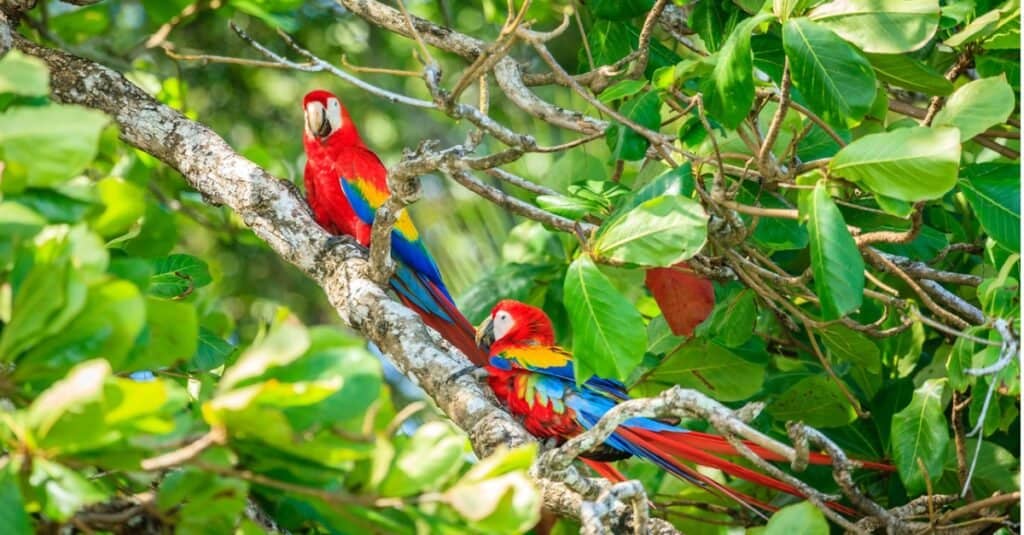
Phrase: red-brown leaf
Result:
[685,299]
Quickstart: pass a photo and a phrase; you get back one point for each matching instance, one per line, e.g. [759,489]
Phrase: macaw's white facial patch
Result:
[334,114]
[502,324]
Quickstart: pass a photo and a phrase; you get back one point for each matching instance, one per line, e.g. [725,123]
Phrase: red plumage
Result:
[534,381]
[335,156]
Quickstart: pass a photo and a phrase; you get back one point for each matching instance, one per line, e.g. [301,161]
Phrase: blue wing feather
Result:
[412,253]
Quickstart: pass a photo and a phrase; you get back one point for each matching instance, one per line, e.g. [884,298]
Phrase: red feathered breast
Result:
[540,419]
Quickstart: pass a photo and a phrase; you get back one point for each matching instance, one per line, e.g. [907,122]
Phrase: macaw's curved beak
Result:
[316,120]
[485,334]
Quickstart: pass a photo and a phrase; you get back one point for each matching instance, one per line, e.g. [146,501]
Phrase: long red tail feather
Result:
[460,334]
[721,446]
[671,446]
[605,470]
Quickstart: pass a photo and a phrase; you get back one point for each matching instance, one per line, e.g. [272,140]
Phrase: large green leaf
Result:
[714,21]
[13,517]
[624,142]
[993,191]
[125,204]
[920,432]
[107,326]
[433,454]
[61,491]
[619,9]
[173,333]
[909,164]
[881,26]
[977,106]
[24,75]
[911,74]
[46,145]
[706,366]
[816,400]
[496,495]
[835,79]
[851,346]
[729,91]
[623,89]
[282,345]
[608,332]
[798,519]
[178,275]
[657,233]
[837,265]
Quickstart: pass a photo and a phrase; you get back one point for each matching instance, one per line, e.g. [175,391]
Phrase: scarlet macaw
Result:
[534,379]
[345,184]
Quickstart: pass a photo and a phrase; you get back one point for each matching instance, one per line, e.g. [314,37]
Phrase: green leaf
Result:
[993,191]
[798,519]
[851,346]
[283,344]
[496,495]
[212,351]
[433,455]
[732,321]
[919,431]
[178,275]
[61,491]
[624,142]
[608,332]
[977,106]
[173,330]
[784,8]
[836,262]
[979,28]
[881,26]
[13,517]
[706,366]
[773,233]
[714,21]
[816,400]
[657,233]
[24,75]
[619,9]
[835,79]
[125,204]
[623,89]
[202,502]
[611,41]
[82,385]
[729,91]
[47,145]
[107,327]
[909,164]
[46,300]
[911,74]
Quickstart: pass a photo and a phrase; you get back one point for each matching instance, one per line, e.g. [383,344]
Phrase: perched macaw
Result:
[534,379]
[345,184]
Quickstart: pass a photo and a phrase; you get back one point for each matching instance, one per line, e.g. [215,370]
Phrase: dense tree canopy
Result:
[795,221]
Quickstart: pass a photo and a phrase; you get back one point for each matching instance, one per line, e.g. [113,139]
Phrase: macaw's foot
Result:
[338,239]
[477,373]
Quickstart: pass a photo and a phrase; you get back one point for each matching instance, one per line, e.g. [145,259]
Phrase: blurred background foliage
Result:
[103,235]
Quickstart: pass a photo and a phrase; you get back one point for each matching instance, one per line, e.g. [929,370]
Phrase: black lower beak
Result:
[485,335]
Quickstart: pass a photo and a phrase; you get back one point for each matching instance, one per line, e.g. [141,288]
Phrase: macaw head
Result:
[512,322]
[325,116]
